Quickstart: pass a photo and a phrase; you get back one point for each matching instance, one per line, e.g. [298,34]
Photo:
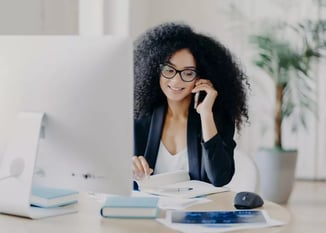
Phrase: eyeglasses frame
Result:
[178,72]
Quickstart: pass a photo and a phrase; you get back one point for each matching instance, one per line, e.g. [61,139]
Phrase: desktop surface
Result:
[88,219]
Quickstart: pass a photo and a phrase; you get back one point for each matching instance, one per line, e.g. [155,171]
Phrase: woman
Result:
[171,64]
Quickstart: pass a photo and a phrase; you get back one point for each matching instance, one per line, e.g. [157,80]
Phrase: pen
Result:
[181,189]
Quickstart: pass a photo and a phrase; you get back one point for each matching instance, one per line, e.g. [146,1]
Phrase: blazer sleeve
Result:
[218,156]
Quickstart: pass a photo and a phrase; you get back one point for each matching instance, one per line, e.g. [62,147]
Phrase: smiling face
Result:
[175,89]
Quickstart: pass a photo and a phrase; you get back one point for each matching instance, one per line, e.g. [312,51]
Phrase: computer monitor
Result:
[84,86]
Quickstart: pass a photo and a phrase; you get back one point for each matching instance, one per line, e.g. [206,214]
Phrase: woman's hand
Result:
[207,104]
[140,168]
[204,108]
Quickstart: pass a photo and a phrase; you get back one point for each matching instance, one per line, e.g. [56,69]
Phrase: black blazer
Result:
[210,161]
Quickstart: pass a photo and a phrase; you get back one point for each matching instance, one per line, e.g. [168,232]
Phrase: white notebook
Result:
[177,184]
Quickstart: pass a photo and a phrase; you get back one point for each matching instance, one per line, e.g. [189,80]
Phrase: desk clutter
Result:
[132,209]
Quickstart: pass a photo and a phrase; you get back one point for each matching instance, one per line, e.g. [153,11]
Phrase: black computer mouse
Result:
[247,200]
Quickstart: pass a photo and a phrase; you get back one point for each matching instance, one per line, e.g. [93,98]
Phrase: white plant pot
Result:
[277,174]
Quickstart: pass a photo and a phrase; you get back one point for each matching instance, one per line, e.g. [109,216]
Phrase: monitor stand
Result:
[17,170]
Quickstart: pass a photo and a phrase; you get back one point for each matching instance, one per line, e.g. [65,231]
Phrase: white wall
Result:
[34,17]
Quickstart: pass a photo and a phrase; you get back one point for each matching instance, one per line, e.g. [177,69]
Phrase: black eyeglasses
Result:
[186,75]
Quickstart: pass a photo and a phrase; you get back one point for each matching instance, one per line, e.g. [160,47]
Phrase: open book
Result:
[177,184]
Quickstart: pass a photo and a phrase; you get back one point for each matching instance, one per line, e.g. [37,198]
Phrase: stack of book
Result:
[46,197]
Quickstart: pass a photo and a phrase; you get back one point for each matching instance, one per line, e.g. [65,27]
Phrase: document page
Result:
[178,184]
[218,221]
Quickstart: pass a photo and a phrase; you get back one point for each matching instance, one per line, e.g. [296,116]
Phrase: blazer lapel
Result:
[154,136]
[193,135]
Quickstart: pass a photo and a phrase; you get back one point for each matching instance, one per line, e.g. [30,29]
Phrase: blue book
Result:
[47,197]
[130,207]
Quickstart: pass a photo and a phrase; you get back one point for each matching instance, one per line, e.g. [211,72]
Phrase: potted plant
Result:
[289,65]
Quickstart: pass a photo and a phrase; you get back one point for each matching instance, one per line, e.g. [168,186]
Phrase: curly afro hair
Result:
[213,61]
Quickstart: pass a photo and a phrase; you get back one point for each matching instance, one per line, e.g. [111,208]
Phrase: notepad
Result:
[47,197]
[130,207]
[177,184]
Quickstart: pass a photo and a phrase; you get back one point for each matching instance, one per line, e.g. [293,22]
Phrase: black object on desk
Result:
[247,200]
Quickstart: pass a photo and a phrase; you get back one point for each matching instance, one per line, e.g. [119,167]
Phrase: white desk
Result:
[88,219]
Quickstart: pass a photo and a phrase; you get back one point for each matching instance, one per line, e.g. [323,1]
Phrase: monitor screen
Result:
[84,85]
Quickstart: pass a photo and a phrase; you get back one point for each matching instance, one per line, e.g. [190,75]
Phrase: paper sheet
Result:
[216,228]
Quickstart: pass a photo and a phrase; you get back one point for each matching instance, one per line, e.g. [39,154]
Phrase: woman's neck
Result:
[178,109]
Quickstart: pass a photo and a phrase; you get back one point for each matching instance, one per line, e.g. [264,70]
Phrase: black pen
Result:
[181,189]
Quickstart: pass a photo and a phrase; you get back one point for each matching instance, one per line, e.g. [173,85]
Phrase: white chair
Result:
[246,175]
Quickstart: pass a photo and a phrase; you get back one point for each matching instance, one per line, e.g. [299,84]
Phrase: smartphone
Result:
[199,96]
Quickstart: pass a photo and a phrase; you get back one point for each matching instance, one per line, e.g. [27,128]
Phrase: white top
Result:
[166,162]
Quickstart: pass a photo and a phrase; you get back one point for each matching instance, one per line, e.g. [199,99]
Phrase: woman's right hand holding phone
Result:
[206,105]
